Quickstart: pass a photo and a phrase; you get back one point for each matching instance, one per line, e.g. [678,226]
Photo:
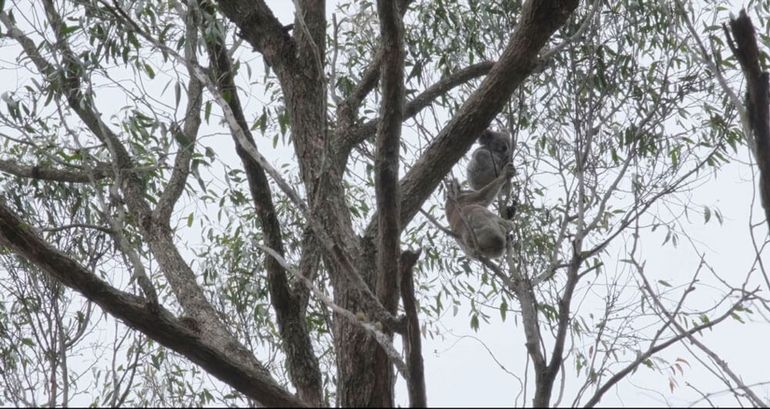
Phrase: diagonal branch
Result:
[413,107]
[347,111]
[657,348]
[179,274]
[262,30]
[373,329]
[360,133]
[337,251]
[539,19]
[158,324]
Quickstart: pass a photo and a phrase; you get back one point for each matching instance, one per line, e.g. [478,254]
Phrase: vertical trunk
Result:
[757,102]
[386,180]
[305,92]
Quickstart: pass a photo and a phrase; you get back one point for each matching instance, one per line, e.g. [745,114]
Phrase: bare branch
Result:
[653,349]
[303,365]
[49,173]
[187,136]
[413,107]
[683,333]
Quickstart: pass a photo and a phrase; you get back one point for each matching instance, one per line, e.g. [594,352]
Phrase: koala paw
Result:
[510,211]
[509,170]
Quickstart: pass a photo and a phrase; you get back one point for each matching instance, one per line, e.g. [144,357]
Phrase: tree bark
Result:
[757,102]
[302,363]
[387,192]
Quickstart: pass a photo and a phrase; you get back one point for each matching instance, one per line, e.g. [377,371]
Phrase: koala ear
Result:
[486,137]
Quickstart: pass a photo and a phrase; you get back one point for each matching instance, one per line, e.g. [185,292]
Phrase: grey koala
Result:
[470,219]
[488,160]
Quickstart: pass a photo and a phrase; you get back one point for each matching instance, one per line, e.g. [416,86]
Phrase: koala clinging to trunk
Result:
[488,160]
[480,232]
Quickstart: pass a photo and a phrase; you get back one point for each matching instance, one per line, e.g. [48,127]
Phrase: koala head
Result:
[497,142]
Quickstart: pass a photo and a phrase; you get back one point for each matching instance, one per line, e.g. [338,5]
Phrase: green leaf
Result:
[177,94]
[207,113]
[149,70]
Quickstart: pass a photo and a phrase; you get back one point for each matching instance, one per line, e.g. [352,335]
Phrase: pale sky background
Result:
[461,372]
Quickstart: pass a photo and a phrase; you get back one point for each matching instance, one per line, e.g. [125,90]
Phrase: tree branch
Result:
[757,99]
[415,379]
[159,324]
[347,111]
[655,349]
[303,367]
[49,173]
[179,274]
[386,164]
[413,107]
[539,19]
[386,154]
[374,330]
[188,135]
[262,30]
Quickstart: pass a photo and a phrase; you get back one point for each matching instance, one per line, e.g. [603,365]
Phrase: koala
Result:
[488,160]
[470,219]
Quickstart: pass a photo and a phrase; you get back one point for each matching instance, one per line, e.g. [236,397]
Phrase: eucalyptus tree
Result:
[256,201]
